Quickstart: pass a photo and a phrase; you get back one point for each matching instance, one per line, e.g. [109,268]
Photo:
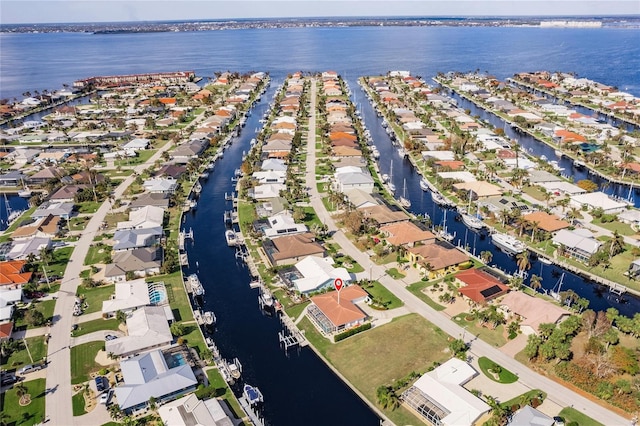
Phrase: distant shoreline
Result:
[102,28]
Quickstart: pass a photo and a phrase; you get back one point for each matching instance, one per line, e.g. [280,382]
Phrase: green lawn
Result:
[95,296]
[380,293]
[494,337]
[322,187]
[311,218]
[37,349]
[570,414]
[622,228]
[178,298]
[386,353]
[505,376]
[77,402]
[30,414]
[246,215]
[216,381]
[328,205]
[88,206]
[46,307]
[83,361]
[98,253]
[141,157]
[417,289]
[395,274]
[194,338]
[96,325]
[60,261]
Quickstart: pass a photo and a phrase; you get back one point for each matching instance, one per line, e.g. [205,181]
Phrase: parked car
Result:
[8,379]
[30,368]
[101,383]
[110,337]
[105,397]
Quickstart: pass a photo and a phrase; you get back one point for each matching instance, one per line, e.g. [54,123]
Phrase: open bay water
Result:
[299,388]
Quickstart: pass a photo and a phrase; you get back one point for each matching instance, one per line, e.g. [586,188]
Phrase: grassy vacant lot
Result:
[88,207]
[60,261]
[387,353]
[572,415]
[30,414]
[494,337]
[95,296]
[622,228]
[311,218]
[98,253]
[19,358]
[395,274]
[95,325]
[83,361]
[417,289]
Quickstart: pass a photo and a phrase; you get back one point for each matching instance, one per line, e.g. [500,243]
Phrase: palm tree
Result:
[536,282]
[486,256]
[522,260]
[534,226]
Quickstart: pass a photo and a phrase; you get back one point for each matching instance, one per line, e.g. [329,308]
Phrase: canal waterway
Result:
[421,203]
[295,384]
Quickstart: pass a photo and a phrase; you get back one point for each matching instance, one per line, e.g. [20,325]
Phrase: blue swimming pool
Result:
[157,296]
[175,360]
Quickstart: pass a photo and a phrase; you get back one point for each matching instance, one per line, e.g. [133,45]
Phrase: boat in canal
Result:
[472,222]
[508,243]
[403,200]
[440,200]
[252,394]
[424,184]
[231,237]
[209,318]
[196,286]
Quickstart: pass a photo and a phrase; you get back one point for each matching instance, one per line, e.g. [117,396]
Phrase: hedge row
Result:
[351,332]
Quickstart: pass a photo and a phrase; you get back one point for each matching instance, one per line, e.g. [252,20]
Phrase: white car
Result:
[105,397]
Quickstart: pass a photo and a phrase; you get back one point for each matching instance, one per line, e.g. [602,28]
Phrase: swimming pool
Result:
[175,360]
[157,294]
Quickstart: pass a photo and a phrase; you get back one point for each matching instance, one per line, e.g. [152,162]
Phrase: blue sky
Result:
[52,11]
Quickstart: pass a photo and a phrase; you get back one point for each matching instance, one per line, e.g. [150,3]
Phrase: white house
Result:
[578,243]
[598,199]
[347,180]
[269,190]
[439,398]
[160,185]
[189,411]
[318,273]
[129,295]
[147,327]
[145,217]
[283,224]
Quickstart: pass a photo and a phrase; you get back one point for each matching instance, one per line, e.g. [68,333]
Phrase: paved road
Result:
[556,392]
[58,404]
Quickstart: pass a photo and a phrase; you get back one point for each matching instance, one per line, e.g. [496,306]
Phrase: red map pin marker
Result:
[337,283]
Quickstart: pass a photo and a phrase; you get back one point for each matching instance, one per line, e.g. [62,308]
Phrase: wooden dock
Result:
[291,335]
[253,415]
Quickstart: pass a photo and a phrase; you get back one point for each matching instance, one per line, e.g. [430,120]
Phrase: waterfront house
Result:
[272,164]
[147,328]
[145,217]
[129,239]
[45,175]
[140,262]
[156,199]
[546,222]
[191,411]
[439,397]
[153,374]
[313,274]
[270,176]
[136,144]
[45,227]
[22,156]
[479,189]
[561,187]
[290,249]
[173,171]
[269,190]
[498,205]
[479,286]
[53,208]
[345,151]
[67,193]
[278,225]
[21,249]
[631,217]
[531,311]
[128,296]
[383,214]
[160,185]
[12,178]
[407,234]
[332,313]
[347,178]
[360,199]
[13,274]
[598,199]
[437,259]
[189,150]
[579,244]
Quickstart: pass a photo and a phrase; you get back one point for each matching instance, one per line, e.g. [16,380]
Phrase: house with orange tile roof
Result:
[13,274]
[383,215]
[479,286]
[567,136]
[407,233]
[631,167]
[168,101]
[5,331]
[345,151]
[331,316]
[546,222]
[453,165]
[342,135]
[437,259]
